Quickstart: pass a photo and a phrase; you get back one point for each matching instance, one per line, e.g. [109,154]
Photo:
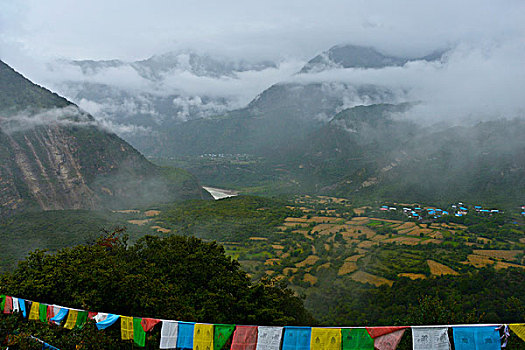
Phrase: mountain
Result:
[55,156]
[353,56]
[139,100]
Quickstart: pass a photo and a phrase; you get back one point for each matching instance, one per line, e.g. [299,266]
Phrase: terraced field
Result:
[327,239]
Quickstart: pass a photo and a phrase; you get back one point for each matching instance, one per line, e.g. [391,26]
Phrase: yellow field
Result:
[406,226]
[478,260]
[323,219]
[347,267]
[150,213]
[258,238]
[440,269]
[139,222]
[358,220]
[312,259]
[290,219]
[286,270]
[412,276]
[161,229]
[432,240]
[365,277]
[310,278]
[499,254]
[419,231]
[324,266]
[127,211]
[386,220]
[296,224]
[404,240]
[277,246]
[378,238]
[504,265]
[366,244]
[269,272]
[271,262]
[354,258]
[360,211]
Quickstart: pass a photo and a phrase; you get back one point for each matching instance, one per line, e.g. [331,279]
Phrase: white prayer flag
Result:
[430,338]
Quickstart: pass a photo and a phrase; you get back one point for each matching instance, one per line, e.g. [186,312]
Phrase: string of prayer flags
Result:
[105,320]
[325,339]
[296,338]
[81,319]
[126,328]
[476,338]
[71,319]
[203,336]
[34,311]
[42,312]
[149,323]
[169,334]
[222,333]
[60,316]
[269,338]
[185,336]
[139,334]
[430,338]
[518,329]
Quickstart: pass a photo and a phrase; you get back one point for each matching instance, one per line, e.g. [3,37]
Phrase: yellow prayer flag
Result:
[71,319]
[34,313]
[519,329]
[126,327]
[203,337]
[325,339]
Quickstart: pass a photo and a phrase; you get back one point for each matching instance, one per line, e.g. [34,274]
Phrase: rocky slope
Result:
[54,156]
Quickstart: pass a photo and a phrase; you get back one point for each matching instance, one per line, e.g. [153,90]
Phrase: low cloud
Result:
[66,116]
[470,83]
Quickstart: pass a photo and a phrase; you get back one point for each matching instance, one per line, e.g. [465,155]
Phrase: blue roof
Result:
[463,208]
[477,206]
[459,214]
[485,210]
[445,212]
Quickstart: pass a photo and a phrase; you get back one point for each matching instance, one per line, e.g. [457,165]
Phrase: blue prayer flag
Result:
[296,338]
[185,336]
[476,338]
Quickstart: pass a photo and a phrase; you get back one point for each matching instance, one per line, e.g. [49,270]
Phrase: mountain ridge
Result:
[63,163]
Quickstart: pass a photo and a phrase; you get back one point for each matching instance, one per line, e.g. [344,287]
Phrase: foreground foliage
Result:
[174,278]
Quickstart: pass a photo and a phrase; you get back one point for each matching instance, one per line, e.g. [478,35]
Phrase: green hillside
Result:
[54,156]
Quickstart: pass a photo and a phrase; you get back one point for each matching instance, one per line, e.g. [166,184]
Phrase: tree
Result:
[173,277]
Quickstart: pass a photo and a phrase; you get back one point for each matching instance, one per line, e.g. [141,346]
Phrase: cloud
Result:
[66,116]
[471,83]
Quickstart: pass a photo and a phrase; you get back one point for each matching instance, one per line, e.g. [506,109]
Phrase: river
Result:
[219,193]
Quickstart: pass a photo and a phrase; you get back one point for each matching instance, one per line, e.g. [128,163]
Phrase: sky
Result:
[484,71]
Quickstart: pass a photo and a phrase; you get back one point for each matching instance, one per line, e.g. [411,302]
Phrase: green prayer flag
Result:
[81,319]
[42,312]
[2,303]
[222,332]
[139,335]
[356,339]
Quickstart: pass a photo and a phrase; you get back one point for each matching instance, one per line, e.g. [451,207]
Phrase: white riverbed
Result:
[220,193]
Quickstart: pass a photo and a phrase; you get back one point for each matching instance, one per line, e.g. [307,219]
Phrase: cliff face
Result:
[54,157]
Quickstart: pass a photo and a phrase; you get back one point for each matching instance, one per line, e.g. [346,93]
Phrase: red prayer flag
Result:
[244,338]
[92,314]
[8,308]
[389,341]
[50,312]
[379,331]
[149,323]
